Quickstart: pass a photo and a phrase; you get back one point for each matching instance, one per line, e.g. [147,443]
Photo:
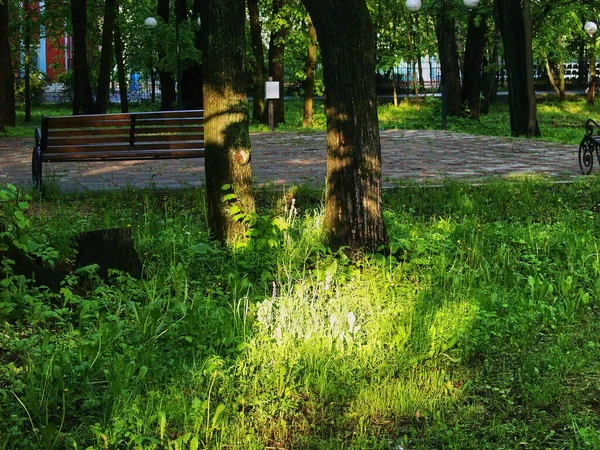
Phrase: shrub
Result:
[38,82]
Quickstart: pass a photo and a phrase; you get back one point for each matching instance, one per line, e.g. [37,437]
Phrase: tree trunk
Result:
[591,93]
[276,60]
[226,131]
[471,88]
[353,214]
[309,82]
[167,83]
[191,75]
[561,82]
[83,99]
[489,81]
[106,57]
[7,88]
[449,60]
[258,64]
[121,75]
[582,63]
[27,58]
[550,74]
[515,25]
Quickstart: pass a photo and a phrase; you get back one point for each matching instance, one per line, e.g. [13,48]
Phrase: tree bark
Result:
[476,33]
[167,82]
[591,91]
[121,75]
[449,60]
[353,213]
[106,57]
[83,99]
[309,82]
[489,79]
[27,58]
[258,64]
[192,74]
[515,25]
[276,60]
[550,74]
[226,131]
[7,88]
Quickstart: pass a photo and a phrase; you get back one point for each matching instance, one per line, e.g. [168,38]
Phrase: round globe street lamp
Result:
[415,6]
[590,28]
[150,23]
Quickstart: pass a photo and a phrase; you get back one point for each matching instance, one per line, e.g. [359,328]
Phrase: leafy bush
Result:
[38,82]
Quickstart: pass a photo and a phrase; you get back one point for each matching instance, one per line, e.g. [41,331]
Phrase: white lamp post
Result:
[415,6]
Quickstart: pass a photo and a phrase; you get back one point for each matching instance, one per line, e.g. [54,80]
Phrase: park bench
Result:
[588,146]
[126,136]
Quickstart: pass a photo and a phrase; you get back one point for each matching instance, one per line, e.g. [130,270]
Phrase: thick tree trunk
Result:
[226,131]
[515,25]
[353,214]
[258,64]
[276,60]
[121,75]
[167,82]
[471,88]
[309,82]
[106,57]
[191,75]
[449,60]
[83,99]
[7,88]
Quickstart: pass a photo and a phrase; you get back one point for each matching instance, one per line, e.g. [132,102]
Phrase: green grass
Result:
[559,121]
[480,329]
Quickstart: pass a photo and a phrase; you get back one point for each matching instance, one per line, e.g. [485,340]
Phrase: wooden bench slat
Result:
[122,138]
[116,147]
[83,140]
[124,154]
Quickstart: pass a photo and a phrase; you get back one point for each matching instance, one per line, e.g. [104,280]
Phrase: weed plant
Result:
[477,329]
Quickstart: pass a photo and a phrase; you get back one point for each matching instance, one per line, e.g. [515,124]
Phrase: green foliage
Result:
[479,325]
[38,82]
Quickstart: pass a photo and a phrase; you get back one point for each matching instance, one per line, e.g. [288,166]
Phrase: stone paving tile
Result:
[293,158]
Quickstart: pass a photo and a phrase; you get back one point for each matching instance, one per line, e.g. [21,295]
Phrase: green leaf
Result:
[225,187]
[218,412]
[228,197]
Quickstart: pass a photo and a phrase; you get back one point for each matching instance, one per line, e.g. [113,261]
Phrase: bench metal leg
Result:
[587,147]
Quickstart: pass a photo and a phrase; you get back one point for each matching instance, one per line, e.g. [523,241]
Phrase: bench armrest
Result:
[590,125]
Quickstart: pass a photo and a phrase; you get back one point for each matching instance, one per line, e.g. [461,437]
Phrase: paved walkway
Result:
[293,158]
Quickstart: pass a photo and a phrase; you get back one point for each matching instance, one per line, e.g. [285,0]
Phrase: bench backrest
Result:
[174,134]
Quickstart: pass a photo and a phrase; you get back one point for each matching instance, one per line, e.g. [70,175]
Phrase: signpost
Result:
[271,93]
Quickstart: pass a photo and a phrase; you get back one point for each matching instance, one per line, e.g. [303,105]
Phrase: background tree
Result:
[83,100]
[474,49]
[309,82]
[167,81]
[279,29]
[258,63]
[353,215]
[7,88]
[106,57]
[226,132]
[514,21]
